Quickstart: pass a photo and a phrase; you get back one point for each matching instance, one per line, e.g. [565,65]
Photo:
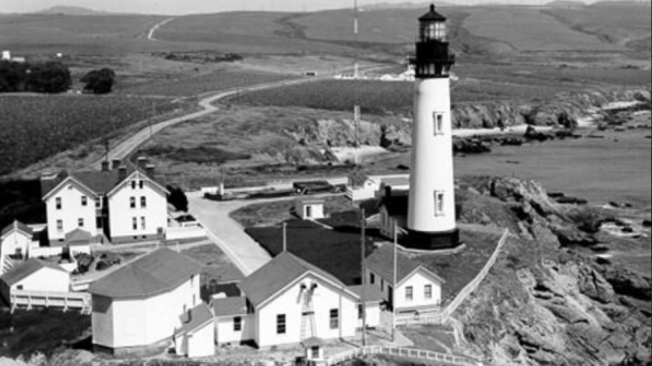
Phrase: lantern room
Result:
[432,26]
[433,58]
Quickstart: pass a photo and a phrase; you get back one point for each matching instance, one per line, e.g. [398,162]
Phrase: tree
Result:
[51,77]
[99,81]
[12,76]
[177,198]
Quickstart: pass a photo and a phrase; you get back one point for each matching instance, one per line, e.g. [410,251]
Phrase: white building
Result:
[123,204]
[288,301]
[34,275]
[431,211]
[196,337]
[310,209]
[136,309]
[16,240]
[417,290]
[364,187]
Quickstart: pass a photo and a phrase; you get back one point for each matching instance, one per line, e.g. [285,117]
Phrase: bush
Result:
[50,77]
[177,198]
[99,81]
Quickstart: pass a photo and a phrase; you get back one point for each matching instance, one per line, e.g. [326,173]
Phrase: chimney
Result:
[105,166]
[142,162]
[115,164]
[149,170]
[122,173]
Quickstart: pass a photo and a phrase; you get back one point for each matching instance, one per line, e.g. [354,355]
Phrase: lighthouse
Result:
[431,210]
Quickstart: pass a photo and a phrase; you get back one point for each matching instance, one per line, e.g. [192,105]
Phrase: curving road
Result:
[150,34]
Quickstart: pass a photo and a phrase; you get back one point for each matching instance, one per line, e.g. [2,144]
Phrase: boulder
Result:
[532,134]
[626,282]
[592,284]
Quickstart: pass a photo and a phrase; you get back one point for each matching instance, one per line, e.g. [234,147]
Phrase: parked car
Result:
[318,186]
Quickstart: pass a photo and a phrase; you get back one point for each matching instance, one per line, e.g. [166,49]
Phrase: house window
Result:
[141,184]
[372,278]
[439,203]
[133,184]
[438,121]
[360,311]
[57,202]
[428,292]
[143,202]
[60,225]
[192,281]
[237,324]
[84,201]
[143,226]
[409,293]
[132,202]
[98,203]
[280,324]
[134,223]
[335,319]
[81,223]
[19,287]
[315,352]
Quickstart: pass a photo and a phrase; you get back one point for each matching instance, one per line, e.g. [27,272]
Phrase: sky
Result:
[178,7]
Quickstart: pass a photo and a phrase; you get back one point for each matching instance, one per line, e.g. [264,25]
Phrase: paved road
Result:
[228,234]
[150,35]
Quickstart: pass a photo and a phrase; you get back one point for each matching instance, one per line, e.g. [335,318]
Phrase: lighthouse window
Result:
[438,121]
[439,203]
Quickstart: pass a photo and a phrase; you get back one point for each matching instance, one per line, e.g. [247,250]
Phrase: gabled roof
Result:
[79,237]
[96,182]
[153,274]
[17,226]
[381,262]
[139,174]
[397,204]
[280,272]
[26,269]
[432,15]
[371,293]
[197,318]
[230,306]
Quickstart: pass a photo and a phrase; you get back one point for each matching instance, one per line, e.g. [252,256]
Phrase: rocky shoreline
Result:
[548,301]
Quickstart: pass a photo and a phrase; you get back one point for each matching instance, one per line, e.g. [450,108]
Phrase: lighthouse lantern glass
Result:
[433,31]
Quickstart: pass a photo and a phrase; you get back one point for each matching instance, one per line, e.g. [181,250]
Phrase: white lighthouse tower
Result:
[431,213]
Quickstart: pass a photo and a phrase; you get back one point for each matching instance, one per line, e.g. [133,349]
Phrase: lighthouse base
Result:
[431,241]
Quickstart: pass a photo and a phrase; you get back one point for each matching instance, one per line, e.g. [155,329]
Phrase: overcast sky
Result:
[200,6]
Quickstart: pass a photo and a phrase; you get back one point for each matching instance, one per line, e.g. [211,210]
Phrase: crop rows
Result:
[34,127]
[221,80]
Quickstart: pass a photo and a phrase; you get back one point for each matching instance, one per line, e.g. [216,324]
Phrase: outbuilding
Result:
[196,336]
[16,240]
[34,275]
[310,209]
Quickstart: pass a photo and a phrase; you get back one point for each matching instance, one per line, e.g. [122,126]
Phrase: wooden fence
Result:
[62,300]
[402,352]
[443,315]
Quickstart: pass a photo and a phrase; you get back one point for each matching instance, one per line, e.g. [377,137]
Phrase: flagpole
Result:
[285,237]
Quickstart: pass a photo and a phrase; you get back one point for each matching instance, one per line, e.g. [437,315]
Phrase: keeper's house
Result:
[417,290]
[137,309]
[123,204]
[289,301]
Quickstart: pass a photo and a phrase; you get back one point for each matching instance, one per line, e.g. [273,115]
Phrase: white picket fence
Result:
[402,352]
[443,315]
[63,300]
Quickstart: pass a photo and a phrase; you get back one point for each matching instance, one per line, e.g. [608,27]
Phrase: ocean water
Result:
[616,168]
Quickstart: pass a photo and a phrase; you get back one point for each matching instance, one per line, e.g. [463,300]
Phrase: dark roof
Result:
[199,316]
[397,204]
[432,15]
[17,225]
[79,237]
[277,274]
[371,293]
[100,182]
[312,342]
[155,273]
[230,306]
[381,262]
[26,269]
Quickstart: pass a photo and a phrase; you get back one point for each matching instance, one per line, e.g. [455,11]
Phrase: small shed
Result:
[314,348]
[79,241]
[196,336]
[35,275]
[16,240]
[372,297]
[310,209]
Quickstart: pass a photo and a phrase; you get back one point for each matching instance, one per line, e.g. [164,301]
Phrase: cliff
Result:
[547,301]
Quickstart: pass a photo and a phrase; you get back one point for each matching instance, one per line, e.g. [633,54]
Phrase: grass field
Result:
[41,331]
[216,81]
[35,127]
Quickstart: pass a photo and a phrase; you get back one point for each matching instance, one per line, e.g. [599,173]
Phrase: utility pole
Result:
[285,237]
[395,282]
[364,279]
